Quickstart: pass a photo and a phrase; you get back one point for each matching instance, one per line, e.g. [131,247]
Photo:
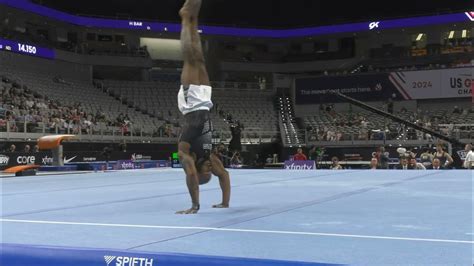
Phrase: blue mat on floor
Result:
[21,255]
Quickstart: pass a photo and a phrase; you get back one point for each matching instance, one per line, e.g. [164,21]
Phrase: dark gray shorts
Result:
[197,131]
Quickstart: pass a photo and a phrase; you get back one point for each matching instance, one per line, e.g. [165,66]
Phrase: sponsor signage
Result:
[470,15]
[140,157]
[46,158]
[244,32]
[374,25]
[362,87]
[27,49]
[126,164]
[26,159]
[127,261]
[129,164]
[300,165]
[8,160]
[4,160]
[21,255]
[408,85]
[445,83]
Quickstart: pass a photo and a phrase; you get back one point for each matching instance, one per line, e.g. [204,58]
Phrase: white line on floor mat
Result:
[235,230]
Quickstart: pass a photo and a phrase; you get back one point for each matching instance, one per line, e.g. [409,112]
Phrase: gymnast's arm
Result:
[192,181]
[224,180]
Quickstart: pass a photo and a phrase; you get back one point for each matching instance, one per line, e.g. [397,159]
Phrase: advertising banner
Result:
[406,85]
[374,25]
[8,160]
[372,87]
[432,84]
[300,165]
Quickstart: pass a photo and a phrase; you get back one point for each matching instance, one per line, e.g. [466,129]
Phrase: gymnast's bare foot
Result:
[190,9]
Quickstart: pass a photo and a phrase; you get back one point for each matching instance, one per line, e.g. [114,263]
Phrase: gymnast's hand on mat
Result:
[220,206]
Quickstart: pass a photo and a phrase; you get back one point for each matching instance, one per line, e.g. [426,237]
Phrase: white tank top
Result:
[195,98]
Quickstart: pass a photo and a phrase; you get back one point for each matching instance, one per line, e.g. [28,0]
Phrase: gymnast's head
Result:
[204,170]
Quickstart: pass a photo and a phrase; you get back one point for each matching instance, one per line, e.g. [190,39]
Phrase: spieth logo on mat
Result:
[4,159]
[127,261]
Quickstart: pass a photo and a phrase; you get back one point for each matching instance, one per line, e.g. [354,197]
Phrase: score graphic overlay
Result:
[26,48]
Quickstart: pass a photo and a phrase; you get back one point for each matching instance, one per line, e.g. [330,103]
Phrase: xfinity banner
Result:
[300,165]
[408,85]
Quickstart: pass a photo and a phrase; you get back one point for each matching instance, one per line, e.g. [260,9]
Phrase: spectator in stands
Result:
[469,161]
[330,135]
[335,164]
[236,129]
[275,158]
[390,106]
[416,165]
[426,158]
[364,133]
[444,157]
[256,161]
[456,110]
[11,121]
[27,149]
[124,127]
[403,163]
[12,148]
[313,153]
[35,149]
[222,153]
[382,158]
[300,156]
[236,160]
[269,159]
[321,108]
[328,108]
[374,164]
[3,124]
[436,165]
[321,134]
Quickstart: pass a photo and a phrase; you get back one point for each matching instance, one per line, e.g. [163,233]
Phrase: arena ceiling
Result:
[263,13]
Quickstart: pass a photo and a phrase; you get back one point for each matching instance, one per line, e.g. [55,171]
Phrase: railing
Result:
[242,85]
[247,137]
[13,130]
[382,138]
[25,131]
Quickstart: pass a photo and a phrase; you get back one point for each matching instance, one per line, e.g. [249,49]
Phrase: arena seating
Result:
[148,108]
[349,125]
[253,108]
